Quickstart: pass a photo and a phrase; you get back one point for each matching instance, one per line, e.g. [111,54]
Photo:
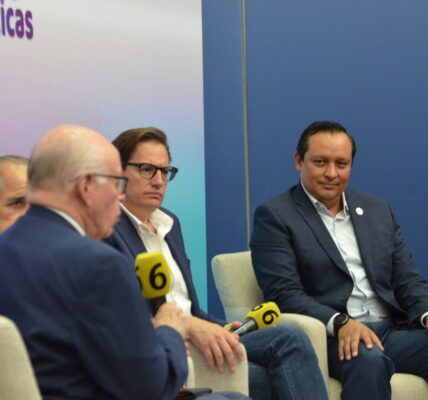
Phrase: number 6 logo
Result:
[265,314]
[153,274]
[157,278]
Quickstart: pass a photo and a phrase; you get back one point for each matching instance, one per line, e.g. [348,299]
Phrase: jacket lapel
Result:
[359,219]
[181,260]
[308,212]
[129,235]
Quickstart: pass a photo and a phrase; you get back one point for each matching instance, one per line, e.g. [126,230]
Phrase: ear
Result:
[84,185]
[298,161]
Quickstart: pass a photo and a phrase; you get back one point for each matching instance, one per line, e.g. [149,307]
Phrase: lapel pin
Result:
[359,211]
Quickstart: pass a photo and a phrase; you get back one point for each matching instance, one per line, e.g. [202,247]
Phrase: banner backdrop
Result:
[111,65]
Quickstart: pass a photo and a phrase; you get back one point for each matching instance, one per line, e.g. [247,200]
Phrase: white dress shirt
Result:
[156,242]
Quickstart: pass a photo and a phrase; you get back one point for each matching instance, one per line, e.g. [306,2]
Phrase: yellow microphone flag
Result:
[265,314]
[153,274]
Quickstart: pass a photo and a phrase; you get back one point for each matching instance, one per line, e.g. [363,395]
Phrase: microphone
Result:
[154,277]
[262,316]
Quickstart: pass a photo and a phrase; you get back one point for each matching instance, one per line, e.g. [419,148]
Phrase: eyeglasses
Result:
[121,181]
[148,171]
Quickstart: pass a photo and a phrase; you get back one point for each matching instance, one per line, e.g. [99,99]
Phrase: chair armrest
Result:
[317,334]
[203,376]
[17,379]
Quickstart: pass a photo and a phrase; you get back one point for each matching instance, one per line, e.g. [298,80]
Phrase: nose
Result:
[157,180]
[330,171]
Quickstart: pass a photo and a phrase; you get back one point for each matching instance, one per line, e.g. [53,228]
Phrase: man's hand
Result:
[234,326]
[351,334]
[216,343]
[169,314]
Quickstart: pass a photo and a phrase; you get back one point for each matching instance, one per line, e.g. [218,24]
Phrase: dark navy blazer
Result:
[126,239]
[298,265]
[81,314]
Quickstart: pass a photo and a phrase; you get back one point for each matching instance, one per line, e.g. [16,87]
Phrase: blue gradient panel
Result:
[361,63]
[224,134]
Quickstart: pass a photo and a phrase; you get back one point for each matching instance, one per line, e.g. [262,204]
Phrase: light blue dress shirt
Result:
[364,304]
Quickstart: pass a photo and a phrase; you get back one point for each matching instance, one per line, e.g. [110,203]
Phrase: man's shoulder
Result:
[283,200]
[83,249]
[364,197]
[170,213]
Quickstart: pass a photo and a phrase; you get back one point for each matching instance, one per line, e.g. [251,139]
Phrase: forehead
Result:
[12,174]
[149,151]
[13,179]
[330,143]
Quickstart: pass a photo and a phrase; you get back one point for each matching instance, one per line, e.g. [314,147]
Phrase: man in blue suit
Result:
[338,255]
[76,300]
[283,364]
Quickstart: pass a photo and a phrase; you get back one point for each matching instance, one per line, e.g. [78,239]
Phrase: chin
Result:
[153,204]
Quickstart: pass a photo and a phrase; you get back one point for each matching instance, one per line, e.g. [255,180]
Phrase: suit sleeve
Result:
[115,337]
[276,267]
[410,288]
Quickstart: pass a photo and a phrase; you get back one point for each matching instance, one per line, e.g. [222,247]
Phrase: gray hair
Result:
[11,159]
[56,163]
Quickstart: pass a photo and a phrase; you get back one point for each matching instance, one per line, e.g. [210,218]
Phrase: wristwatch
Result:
[339,321]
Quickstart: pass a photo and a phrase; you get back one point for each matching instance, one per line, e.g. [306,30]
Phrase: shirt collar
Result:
[70,220]
[160,220]
[318,205]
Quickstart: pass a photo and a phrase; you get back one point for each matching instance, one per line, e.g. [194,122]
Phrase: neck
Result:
[142,214]
[335,208]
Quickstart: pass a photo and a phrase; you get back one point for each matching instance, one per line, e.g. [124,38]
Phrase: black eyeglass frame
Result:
[171,171]
[122,181]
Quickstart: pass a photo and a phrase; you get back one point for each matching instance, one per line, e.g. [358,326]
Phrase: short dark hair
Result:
[321,126]
[127,141]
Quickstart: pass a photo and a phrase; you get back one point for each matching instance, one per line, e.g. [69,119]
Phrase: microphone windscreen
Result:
[264,315]
[153,274]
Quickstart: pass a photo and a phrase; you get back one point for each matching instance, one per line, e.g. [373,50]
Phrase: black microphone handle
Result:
[156,303]
[248,326]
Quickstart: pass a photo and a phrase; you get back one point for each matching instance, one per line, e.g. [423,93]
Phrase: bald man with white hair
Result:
[13,186]
[76,300]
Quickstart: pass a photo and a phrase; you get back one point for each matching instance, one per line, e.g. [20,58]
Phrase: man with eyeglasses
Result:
[75,300]
[282,364]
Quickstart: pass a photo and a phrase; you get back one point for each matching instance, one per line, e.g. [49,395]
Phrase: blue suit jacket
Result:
[126,239]
[80,311]
[298,265]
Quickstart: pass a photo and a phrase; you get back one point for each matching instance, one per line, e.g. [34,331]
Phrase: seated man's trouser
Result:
[224,396]
[283,365]
[368,375]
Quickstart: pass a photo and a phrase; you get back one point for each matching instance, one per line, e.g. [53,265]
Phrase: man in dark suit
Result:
[283,364]
[338,255]
[76,300]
